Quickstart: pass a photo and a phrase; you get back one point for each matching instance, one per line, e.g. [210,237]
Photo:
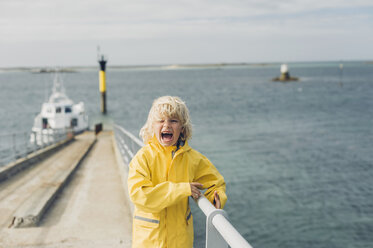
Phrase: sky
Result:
[159,32]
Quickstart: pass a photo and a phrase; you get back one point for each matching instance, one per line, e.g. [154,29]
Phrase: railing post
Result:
[229,233]
[48,140]
[213,237]
[35,143]
[26,145]
[219,231]
[14,146]
[42,138]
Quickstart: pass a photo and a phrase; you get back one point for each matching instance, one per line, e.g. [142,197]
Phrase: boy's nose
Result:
[166,123]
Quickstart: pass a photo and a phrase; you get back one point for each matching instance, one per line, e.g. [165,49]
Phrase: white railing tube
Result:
[205,205]
[219,231]
[131,136]
[229,233]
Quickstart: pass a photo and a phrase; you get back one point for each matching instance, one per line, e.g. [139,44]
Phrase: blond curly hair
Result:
[171,107]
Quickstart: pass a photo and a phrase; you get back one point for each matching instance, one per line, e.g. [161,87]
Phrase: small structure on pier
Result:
[285,75]
[102,60]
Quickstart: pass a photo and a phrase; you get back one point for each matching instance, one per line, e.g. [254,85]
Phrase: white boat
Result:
[58,116]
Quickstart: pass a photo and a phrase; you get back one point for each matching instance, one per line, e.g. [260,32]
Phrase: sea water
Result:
[297,157]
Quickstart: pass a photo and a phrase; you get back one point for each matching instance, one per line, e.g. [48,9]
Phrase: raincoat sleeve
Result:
[212,180]
[149,197]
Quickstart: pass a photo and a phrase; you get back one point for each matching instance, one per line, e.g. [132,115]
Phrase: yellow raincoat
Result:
[158,184]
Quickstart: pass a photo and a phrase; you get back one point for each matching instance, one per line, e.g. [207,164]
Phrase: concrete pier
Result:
[72,198]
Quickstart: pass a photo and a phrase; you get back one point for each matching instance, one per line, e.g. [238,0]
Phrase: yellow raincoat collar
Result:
[154,141]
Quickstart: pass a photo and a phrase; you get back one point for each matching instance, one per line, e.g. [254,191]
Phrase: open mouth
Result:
[166,136]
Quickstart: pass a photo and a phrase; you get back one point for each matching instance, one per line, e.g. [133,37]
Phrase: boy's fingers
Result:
[196,194]
[198,185]
[217,200]
[195,191]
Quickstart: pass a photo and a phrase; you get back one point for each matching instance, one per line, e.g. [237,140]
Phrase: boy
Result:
[164,173]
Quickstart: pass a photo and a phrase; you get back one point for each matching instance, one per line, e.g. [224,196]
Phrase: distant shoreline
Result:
[73,69]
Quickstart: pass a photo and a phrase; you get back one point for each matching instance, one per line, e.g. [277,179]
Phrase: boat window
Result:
[67,109]
[74,122]
[45,123]
[58,110]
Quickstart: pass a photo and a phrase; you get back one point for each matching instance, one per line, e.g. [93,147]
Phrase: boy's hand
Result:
[194,187]
[217,202]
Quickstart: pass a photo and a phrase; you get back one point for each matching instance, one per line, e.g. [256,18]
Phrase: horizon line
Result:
[181,65]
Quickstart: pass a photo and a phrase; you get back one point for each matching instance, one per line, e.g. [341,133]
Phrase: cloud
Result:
[112,19]
[190,24]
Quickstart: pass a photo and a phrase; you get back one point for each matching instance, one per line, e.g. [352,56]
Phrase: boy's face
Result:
[167,130]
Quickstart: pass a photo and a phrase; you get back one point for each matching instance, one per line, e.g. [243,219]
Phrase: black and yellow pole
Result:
[102,77]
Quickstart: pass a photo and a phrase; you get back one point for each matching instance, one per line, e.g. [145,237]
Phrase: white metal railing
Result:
[19,145]
[219,231]
[128,144]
